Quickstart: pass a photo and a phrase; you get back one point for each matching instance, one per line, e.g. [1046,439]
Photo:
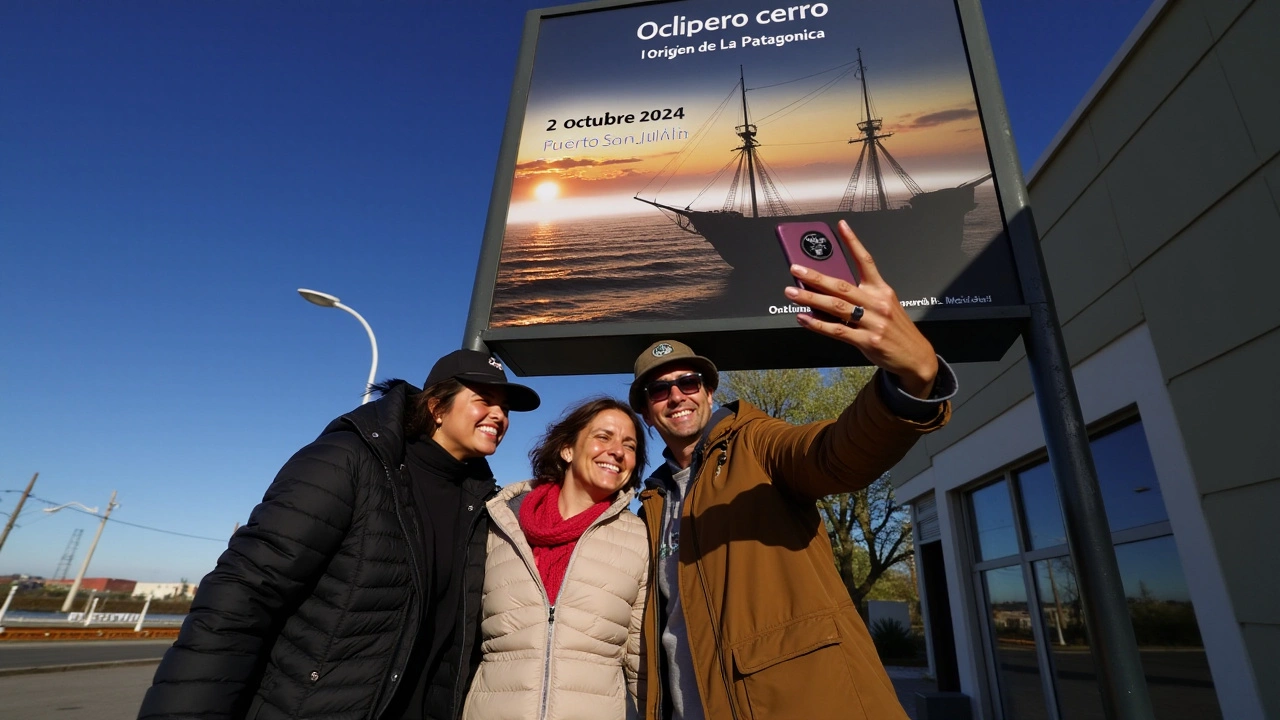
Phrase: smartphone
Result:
[814,245]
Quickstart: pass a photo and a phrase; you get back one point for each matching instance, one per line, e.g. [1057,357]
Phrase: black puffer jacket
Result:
[313,609]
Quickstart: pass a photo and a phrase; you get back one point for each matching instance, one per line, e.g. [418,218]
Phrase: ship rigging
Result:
[742,229]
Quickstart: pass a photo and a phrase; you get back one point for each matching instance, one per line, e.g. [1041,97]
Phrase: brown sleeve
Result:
[841,455]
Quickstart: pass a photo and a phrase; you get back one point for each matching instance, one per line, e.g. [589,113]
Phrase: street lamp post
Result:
[327,300]
[84,567]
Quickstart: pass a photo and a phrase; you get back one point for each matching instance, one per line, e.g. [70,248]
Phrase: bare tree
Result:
[869,531]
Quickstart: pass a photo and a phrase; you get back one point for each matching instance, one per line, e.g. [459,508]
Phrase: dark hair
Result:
[421,420]
[548,466]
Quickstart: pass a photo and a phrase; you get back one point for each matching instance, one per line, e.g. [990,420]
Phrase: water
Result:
[638,267]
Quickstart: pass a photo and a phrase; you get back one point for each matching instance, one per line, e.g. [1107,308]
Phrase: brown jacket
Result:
[772,630]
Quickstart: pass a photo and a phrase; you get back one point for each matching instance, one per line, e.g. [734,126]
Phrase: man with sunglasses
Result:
[749,619]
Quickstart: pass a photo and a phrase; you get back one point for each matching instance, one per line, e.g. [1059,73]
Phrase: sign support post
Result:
[1112,641]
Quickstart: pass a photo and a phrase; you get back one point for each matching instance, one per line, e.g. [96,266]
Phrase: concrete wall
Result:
[1160,205]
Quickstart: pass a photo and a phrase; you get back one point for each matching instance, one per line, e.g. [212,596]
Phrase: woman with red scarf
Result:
[565,576]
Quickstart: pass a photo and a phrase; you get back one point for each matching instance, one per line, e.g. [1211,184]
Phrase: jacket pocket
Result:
[797,670]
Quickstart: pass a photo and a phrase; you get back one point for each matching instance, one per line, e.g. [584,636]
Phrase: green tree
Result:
[870,533]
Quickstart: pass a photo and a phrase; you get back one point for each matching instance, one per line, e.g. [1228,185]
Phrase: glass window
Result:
[1173,656]
[1130,490]
[1075,679]
[1126,475]
[1014,645]
[993,518]
[1169,643]
[1041,507]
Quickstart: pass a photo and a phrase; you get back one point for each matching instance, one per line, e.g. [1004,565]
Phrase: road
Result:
[44,654]
[115,693]
[103,694]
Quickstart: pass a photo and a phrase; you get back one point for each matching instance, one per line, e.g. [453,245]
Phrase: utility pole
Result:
[75,586]
[14,517]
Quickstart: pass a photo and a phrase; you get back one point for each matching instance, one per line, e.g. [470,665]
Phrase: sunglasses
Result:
[660,390]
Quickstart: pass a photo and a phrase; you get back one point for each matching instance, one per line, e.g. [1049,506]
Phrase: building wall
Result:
[1159,208]
[114,585]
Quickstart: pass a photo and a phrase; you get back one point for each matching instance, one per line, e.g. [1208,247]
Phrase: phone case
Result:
[815,246]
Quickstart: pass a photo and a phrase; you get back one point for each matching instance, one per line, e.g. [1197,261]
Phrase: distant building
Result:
[165,591]
[102,585]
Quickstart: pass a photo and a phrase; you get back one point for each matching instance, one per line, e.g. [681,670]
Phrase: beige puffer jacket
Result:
[583,663]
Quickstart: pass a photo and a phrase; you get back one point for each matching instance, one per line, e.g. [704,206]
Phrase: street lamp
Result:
[327,300]
[84,567]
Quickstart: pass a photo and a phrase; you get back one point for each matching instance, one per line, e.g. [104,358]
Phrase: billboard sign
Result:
[653,149]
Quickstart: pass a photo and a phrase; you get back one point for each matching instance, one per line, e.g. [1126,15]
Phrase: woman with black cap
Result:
[354,589]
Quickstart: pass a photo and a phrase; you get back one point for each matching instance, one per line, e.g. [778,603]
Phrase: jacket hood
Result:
[380,422]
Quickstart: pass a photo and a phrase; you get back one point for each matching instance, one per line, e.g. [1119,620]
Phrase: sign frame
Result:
[958,333]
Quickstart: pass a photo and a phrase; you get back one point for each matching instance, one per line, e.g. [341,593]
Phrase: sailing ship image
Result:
[923,234]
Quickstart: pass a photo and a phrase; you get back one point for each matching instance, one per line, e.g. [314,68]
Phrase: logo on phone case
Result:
[815,245]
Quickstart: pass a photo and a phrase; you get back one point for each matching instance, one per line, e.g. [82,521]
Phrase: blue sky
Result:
[170,173]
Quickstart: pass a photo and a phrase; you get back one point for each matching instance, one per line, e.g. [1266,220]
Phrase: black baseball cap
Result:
[473,366]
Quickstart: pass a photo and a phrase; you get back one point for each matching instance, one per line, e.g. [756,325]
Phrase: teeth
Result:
[609,466]
[680,414]
[489,430]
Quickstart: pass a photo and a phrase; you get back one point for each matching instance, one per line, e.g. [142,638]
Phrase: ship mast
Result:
[747,132]
[752,169]
[874,197]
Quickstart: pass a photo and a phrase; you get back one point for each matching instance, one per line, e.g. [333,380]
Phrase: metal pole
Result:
[1106,612]
[143,616]
[7,601]
[88,617]
[75,586]
[17,509]
[373,369]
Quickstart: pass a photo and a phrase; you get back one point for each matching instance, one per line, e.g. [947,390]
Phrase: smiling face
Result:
[474,423]
[678,418]
[602,457]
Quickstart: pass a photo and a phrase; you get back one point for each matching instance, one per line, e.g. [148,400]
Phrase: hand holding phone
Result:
[814,245]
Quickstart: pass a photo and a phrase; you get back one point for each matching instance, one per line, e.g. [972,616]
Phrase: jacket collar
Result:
[721,423]
[503,510]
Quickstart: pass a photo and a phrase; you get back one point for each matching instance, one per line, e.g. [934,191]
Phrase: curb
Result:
[39,670]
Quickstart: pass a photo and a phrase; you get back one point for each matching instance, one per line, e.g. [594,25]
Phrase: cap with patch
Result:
[661,354]
[473,366]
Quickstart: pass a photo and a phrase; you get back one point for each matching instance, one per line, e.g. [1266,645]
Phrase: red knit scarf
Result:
[551,536]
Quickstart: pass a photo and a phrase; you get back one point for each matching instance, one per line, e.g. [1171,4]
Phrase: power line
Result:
[167,532]
[122,522]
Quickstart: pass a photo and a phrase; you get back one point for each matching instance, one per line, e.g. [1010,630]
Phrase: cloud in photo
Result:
[569,163]
[942,117]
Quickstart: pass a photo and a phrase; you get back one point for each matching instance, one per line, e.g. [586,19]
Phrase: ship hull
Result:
[918,247]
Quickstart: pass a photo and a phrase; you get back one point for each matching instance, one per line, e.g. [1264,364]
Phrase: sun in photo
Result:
[546,190]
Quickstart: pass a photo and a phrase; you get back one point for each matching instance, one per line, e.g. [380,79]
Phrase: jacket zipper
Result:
[462,618]
[653,601]
[546,660]
[413,567]
[551,608]
[551,611]
[723,446]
